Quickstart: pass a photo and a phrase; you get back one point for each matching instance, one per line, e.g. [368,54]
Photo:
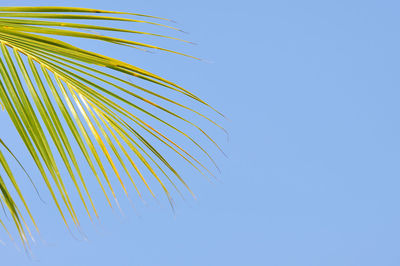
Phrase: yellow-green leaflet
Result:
[75,109]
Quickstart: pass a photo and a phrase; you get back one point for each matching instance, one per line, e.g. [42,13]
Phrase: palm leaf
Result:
[73,108]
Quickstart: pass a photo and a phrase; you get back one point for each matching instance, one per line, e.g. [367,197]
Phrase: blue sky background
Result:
[311,89]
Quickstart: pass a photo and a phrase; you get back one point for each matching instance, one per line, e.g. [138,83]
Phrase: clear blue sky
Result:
[312,91]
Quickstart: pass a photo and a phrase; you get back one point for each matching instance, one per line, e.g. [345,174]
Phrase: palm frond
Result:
[73,107]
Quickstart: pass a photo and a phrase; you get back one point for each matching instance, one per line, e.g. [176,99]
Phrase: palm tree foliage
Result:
[73,107]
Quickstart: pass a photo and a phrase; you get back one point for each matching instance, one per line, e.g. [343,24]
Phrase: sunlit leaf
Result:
[74,109]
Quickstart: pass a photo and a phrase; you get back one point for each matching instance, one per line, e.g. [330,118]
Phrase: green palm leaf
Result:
[73,108]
